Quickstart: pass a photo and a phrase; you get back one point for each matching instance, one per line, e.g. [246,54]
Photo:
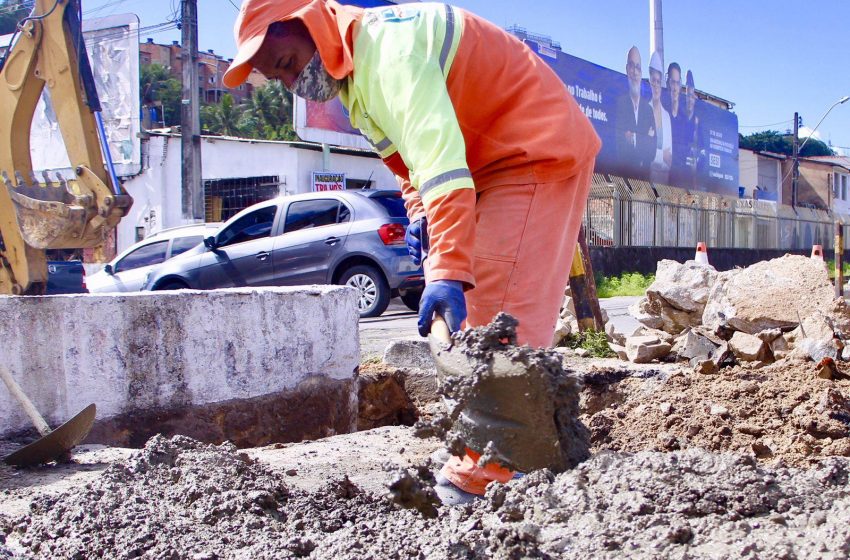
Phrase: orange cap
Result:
[327,22]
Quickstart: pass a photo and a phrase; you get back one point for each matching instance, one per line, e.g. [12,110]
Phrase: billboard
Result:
[687,142]
[112,44]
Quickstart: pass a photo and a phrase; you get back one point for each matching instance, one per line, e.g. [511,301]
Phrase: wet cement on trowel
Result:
[514,404]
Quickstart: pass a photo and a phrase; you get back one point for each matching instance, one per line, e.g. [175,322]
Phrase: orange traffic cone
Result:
[817,252]
[701,256]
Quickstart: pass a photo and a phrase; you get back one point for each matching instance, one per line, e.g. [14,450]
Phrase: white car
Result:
[128,271]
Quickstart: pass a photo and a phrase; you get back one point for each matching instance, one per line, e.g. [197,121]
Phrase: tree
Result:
[776,142]
[158,87]
[11,12]
[222,118]
[268,113]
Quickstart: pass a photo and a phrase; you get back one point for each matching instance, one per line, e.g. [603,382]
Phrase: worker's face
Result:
[655,85]
[674,85]
[633,71]
[284,53]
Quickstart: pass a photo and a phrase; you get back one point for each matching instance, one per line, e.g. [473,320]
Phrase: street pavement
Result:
[400,322]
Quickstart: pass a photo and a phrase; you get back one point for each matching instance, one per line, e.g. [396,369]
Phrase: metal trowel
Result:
[506,402]
[54,445]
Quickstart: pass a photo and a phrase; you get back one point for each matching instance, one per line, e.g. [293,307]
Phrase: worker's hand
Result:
[446,298]
[413,238]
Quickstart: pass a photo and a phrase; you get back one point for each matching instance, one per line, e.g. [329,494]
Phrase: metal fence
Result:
[631,213]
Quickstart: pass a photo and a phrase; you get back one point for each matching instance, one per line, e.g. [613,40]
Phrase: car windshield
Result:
[393,203]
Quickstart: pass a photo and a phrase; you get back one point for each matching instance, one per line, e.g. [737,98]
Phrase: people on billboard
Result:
[679,122]
[659,169]
[635,124]
[691,131]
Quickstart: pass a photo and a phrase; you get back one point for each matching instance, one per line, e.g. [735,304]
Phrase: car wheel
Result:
[172,285]
[411,299]
[373,293]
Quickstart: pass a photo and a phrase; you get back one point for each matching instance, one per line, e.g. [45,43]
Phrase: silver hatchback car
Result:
[354,238]
[129,270]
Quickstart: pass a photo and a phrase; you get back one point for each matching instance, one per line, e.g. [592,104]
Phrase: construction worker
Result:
[495,155]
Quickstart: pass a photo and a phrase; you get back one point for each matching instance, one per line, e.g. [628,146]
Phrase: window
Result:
[183,244]
[255,225]
[143,256]
[315,213]
[393,203]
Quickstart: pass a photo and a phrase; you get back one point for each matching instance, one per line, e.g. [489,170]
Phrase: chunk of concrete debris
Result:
[692,345]
[676,299]
[619,350]
[644,349]
[683,286]
[780,348]
[748,348]
[769,335]
[817,338]
[769,294]
[706,367]
[409,353]
[582,352]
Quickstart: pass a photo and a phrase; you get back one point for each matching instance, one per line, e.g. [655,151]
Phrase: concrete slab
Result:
[143,356]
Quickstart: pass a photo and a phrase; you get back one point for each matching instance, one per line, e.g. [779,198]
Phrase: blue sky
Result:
[769,58]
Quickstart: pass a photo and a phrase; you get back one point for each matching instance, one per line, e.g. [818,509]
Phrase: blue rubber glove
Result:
[446,298]
[413,238]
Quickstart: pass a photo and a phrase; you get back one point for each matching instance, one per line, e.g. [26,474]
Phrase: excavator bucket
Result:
[37,215]
[48,217]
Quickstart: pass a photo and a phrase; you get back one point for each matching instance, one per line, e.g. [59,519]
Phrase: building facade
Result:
[211,68]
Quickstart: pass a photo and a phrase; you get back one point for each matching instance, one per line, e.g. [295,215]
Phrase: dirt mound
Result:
[779,412]
[179,499]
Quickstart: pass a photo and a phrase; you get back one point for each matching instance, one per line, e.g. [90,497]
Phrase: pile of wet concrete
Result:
[179,498]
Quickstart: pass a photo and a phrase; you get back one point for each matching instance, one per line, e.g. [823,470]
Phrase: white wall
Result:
[150,350]
[156,192]
[748,170]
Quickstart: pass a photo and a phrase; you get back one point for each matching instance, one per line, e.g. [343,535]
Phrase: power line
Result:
[234,5]
[765,125]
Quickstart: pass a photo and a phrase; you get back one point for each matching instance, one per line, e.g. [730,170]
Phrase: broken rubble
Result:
[644,349]
[748,348]
[771,294]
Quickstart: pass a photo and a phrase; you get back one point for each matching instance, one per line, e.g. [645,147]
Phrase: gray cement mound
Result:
[180,499]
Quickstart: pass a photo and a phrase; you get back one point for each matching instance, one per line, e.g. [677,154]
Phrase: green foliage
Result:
[11,12]
[157,86]
[268,113]
[773,141]
[223,118]
[845,266]
[627,284]
[595,342]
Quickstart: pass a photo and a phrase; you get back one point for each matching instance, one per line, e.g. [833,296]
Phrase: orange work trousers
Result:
[525,236]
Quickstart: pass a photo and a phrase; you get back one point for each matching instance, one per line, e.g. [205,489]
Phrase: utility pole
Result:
[795,170]
[656,29]
[190,116]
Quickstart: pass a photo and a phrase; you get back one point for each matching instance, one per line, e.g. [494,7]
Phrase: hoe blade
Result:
[55,445]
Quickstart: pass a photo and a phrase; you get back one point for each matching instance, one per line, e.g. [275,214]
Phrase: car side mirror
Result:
[209,243]
[109,270]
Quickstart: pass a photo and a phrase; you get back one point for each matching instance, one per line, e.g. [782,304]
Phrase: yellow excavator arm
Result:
[40,213]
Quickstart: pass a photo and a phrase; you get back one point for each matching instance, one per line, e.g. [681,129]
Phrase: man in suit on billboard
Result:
[635,124]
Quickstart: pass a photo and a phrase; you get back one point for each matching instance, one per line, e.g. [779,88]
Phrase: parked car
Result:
[338,237]
[128,271]
[65,277]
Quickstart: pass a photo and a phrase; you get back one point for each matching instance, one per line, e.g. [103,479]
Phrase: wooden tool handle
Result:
[440,329]
[26,404]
